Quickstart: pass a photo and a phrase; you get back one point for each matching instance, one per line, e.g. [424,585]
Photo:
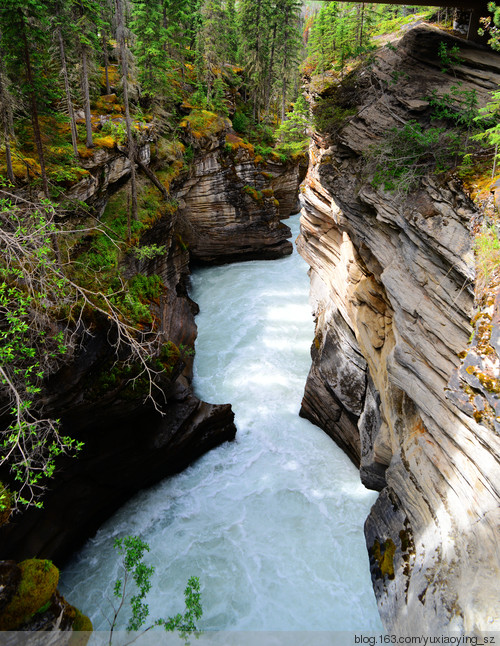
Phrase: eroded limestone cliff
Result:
[392,284]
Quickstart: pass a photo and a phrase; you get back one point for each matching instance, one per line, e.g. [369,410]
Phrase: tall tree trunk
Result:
[128,121]
[106,62]
[362,16]
[270,69]
[285,54]
[71,113]
[257,61]
[86,96]
[34,110]
[8,155]
[6,118]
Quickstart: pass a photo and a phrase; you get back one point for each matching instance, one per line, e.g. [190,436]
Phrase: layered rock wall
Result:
[234,199]
[392,283]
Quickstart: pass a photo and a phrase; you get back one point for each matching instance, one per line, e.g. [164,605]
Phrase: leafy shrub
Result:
[115,130]
[135,572]
[408,153]
[241,122]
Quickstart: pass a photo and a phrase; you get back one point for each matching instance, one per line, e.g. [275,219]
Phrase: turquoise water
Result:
[272,523]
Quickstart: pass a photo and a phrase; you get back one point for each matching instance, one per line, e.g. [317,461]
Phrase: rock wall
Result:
[129,443]
[392,285]
[234,199]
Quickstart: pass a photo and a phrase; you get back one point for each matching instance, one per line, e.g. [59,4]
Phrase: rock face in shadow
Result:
[392,285]
[129,443]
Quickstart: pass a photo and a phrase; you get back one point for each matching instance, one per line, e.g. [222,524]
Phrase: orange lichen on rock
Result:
[235,143]
[202,123]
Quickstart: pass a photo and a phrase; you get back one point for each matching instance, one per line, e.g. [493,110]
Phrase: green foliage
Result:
[294,128]
[148,252]
[115,130]
[459,107]
[487,250]
[336,105]
[387,22]
[448,57]
[339,32]
[241,122]
[30,281]
[410,152]
[491,25]
[489,117]
[135,571]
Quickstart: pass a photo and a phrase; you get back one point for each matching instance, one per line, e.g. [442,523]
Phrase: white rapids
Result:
[272,524]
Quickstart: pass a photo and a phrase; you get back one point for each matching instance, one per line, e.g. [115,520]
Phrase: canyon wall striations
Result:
[392,287]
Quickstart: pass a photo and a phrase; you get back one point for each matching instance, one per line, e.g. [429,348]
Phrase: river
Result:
[272,523]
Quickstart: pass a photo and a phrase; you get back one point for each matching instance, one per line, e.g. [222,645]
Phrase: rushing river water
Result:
[272,523]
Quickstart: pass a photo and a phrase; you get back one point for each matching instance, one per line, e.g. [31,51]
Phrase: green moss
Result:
[5,504]
[39,579]
[81,622]
[253,192]
[202,123]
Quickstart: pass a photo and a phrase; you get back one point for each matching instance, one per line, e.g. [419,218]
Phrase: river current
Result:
[272,523]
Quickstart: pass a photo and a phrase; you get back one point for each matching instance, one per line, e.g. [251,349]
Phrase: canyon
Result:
[400,378]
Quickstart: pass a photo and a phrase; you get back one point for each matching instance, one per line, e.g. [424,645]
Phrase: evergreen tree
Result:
[253,21]
[123,49]
[321,45]
[87,14]
[213,44]
[24,27]
[289,45]
[59,25]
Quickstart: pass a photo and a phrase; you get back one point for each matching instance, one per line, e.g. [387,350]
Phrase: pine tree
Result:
[87,14]
[106,23]
[289,45]
[60,19]
[254,18]
[24,25]
[213,45]
[321,45]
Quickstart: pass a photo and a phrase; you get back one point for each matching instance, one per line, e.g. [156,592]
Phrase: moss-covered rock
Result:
[39,579]
[81,622]
[10,576]
[383,553]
